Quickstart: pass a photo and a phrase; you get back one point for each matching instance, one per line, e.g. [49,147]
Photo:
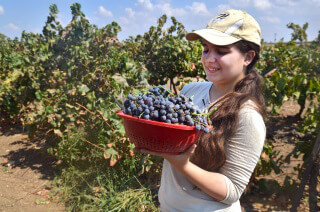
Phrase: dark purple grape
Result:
[198,127]
[190,123]
[126,103]
[136,112]
[146,116]
[149,101]
[180,112]
[182,119]
[132,105]
[146,111]
[163,112]
[128,111]
[175,115]
[156,114]
[130,97]
[170,110]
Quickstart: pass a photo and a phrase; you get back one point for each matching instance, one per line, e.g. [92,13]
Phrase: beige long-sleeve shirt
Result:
[242,151]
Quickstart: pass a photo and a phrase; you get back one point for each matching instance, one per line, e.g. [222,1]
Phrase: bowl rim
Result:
[156,123]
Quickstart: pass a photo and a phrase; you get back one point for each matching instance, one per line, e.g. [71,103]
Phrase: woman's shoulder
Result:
[249,114]
[249,107]
[195,87]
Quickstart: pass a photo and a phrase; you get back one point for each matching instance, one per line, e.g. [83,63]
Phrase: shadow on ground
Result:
[17,151]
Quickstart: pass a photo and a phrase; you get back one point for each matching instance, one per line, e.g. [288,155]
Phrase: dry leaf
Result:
[44,192]
[105,156]
[131,153]
[113,161]
[264,156]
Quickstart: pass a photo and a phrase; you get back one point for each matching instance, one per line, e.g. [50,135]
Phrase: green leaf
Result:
[83,89]
[297,94]
[38,95]
[109,152]
[58,132]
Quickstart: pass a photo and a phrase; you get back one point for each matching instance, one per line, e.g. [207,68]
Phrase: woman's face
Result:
[224,65]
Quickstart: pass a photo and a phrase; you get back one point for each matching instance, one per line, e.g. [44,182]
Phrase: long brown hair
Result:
[209,153]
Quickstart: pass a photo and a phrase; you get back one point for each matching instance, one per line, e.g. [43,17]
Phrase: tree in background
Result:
[166,54]
[318,38]
[3,37]
[299,33]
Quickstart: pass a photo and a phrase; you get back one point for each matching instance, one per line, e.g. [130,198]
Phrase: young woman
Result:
[212,174]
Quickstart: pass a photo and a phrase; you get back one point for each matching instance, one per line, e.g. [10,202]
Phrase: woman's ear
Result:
[249,57]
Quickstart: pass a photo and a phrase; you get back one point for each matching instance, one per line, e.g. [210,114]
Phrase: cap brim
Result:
[212,36]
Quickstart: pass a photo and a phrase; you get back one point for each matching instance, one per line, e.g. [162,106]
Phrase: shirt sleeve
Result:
[189,89]
[243,151]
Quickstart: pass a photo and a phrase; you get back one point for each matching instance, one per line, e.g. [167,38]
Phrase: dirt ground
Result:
[26,172]
[283,134]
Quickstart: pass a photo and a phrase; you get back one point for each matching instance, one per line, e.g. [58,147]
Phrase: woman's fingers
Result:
[191,149]
[136,149]
[145,151]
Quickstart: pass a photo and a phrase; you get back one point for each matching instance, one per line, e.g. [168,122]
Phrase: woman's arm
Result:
[211,183]
[242,155]
[243,151]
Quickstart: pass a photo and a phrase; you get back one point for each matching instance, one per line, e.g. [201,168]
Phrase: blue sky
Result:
[136,16]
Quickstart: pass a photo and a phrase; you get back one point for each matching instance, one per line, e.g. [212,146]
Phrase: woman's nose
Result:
[211,57]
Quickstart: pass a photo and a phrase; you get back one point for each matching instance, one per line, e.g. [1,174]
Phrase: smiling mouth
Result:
[212,70]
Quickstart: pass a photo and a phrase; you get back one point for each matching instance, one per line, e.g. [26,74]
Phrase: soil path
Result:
[26,171]
[283,134]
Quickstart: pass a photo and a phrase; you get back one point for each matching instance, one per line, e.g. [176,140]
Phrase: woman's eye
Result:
[222,52]
[205,51]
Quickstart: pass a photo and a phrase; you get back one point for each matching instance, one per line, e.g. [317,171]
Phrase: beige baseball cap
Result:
[229,27]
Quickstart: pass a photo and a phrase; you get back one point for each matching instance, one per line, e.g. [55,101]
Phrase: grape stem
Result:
[160,86]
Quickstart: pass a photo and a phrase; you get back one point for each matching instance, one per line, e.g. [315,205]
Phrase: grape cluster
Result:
[158,104]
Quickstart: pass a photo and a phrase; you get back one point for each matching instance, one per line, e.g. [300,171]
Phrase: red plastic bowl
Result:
[159,136]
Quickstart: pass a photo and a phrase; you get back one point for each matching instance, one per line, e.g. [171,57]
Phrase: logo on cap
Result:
[220,17]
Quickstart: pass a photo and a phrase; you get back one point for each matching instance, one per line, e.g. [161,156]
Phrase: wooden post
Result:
[313,186]
[306,175]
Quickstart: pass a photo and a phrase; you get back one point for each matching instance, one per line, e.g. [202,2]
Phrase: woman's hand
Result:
[209,182]
[178,161]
